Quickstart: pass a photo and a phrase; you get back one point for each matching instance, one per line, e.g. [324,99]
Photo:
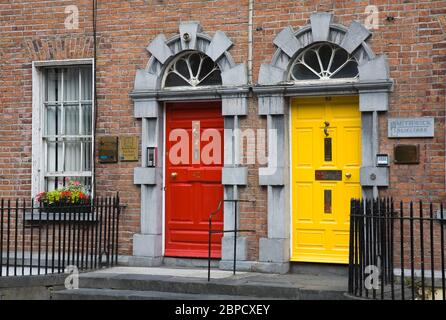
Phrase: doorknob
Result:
[348,175]
[174,175]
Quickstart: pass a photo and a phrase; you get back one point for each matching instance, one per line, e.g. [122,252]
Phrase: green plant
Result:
[74,193]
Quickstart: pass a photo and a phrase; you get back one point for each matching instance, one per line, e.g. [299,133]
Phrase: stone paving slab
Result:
[174,272]
[109,294]
[194,281]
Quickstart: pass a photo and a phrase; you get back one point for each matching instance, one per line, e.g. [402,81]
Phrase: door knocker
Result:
[327,124]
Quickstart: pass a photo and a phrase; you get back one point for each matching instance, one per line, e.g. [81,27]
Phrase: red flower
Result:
[65,195]
[40,196]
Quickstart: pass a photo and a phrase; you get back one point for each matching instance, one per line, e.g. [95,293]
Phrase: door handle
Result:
[174,175]
[348,175]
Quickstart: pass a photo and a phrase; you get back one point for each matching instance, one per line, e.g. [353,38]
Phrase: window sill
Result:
[60,217]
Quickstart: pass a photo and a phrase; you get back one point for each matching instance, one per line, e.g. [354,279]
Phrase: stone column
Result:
[274,251]
[234,175]
[371,102]
[147,245]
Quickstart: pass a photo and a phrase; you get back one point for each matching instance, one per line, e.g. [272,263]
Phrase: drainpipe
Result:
[250,38]
[95,99]
[375,146]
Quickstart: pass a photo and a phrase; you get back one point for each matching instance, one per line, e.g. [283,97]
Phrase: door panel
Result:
[195,190]
[321,201]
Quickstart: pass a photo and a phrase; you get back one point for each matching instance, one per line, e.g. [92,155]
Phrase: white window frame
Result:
[193,80]
[38,152]
[325,76]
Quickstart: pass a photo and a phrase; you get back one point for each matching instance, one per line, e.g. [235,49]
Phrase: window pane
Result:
[86,85]
[87,156]
[72,119]
[53,85]
[339,59]
[206,67]
[301,72]
[325,55]
[213,79]
[173,80]
[182,68]
[54,156]
[350,70]
[195,61]
[53,114]
[71,84]
[86,119]
[312,61]
[72,155]
[52,183]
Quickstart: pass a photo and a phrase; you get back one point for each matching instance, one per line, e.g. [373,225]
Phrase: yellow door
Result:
[326,157]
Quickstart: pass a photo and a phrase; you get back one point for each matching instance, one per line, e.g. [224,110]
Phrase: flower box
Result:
[68,199]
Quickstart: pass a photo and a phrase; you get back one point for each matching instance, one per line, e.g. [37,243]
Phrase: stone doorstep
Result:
[249,285]
[111,294]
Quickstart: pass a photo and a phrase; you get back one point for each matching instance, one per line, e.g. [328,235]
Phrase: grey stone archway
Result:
[274,90]
[149,97]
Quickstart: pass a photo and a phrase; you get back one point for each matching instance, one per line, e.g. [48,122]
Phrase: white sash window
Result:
[66,127]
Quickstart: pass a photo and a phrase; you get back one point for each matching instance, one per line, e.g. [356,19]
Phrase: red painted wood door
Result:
[194,161]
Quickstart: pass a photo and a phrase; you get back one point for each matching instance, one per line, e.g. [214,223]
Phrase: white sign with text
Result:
[422,127]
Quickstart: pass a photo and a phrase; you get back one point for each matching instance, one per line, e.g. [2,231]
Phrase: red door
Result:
[194,161]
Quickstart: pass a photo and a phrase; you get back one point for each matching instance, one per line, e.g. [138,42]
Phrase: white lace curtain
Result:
[68,125]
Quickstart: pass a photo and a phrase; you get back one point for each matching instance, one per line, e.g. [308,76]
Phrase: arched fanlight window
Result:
[192,69]
[324,61]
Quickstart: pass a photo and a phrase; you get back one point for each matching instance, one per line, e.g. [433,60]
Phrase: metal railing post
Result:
[235,235]
[25,246]
[235,231]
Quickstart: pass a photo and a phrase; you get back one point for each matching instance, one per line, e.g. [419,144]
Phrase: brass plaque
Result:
[328,153]
[108,149]
[328,175]
[406,154]
[128,148]
[327,201]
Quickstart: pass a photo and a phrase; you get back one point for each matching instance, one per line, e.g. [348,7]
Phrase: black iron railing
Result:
[235,231]
[397,252]
[40,239]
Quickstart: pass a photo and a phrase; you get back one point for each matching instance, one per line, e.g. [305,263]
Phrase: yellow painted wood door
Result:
[326,158]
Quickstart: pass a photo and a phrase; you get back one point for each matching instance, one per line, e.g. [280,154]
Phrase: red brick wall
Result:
[415,43]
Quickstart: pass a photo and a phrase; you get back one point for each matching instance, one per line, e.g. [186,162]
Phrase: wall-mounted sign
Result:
[108,149]
[128,148]
[328,175]
[382,160]
[411,127]
[407,154]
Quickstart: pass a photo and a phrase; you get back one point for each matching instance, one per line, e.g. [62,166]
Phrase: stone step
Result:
[300,287]
[110,294]
[319,269]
